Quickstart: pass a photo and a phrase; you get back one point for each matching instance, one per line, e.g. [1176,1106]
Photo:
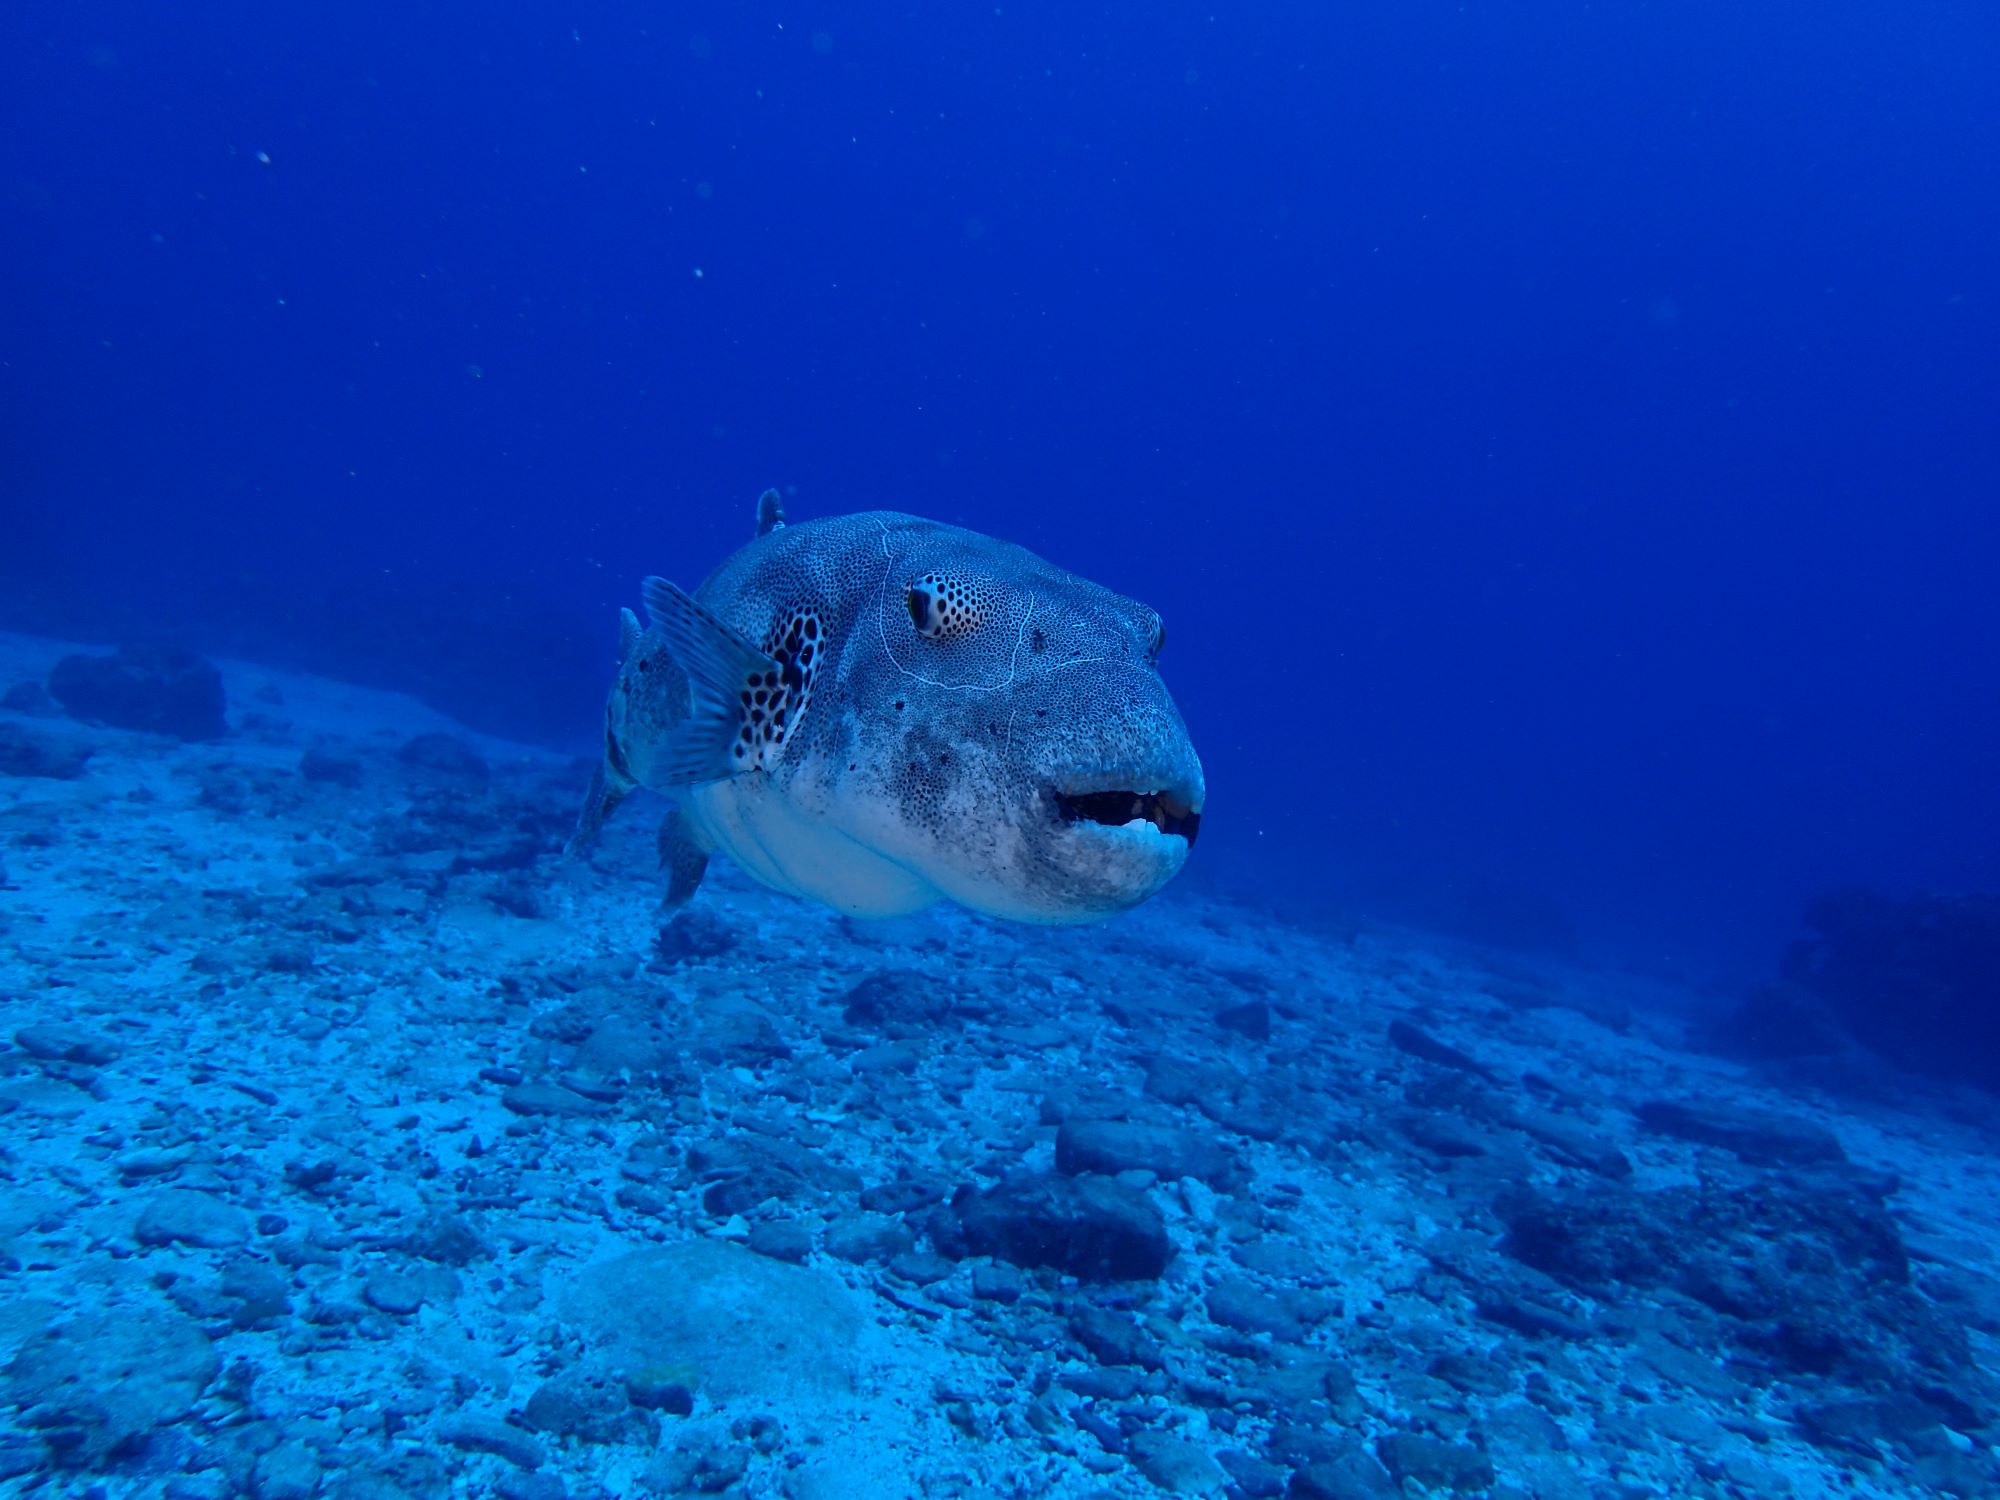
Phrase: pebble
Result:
[1113,1146]
[866,1237]
[1761,1136]
[726,1085]
[289,1471]
[781,1239]
[1236,1303]
[1091,1228]
[478,1434]
[1176,1465]
[550,1099]
[394,1293]
[67,1044]
[1114,1339]
[148,1161]
[182,1216]
[1414,1457]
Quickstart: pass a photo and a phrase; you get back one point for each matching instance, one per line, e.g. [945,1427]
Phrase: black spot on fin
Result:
[720,666]
[682,860]
[770,512]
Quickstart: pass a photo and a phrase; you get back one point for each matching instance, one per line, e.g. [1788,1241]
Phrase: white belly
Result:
[800,853]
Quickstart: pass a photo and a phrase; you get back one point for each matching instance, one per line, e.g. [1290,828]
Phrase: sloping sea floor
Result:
[354,1144]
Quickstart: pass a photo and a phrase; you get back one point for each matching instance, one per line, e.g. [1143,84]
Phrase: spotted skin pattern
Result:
[941,706]
[773,703]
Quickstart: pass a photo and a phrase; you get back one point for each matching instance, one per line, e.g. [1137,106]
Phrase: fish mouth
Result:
[1171,811]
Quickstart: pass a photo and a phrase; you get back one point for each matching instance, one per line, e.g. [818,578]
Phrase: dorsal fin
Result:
[770,512]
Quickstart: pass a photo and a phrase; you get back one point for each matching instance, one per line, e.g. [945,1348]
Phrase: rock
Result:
[289,1471]
[19,1455]
[1434,1464]
[1526,1315]
[900,996]
[692,933]
[183,1216]
[32,699]
[1809,1276]
[550,1100]
[1418,1043]
[477,1434]
[1349,1475]
[1476,1375]
[26,753]
[67,1044]
[153,688]
[101,1380]
[260,1293]
[1235,1303]
[1176,1465]
[755,1328]
[1860,1424]
[781,1239]
[902,1197]
[1906,982]
[701,1465]
[1570,1143]
[1916,981]
[1444,1135]
[1093,1228]
[328,769]
[887,1058]
[445,756]
[1779,1022]
[1761,1137]
[590,1406]
[1256,1479]
[1174,1080]
[1112,1146]
[394,1293]
[921,1267]
[1113,1339]
[446,1239]
[628,1045]
[1273,1257]
[997,1283]
[150,1161]
[862,1237]
[732,1029]
[1252,1019]
[669,1388]
[743,1171]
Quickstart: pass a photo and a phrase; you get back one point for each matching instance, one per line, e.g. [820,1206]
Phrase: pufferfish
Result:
[880,712]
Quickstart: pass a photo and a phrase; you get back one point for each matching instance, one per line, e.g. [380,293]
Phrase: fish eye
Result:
[1159,641]
[945,606]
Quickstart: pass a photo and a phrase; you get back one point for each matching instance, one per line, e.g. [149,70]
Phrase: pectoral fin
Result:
[725,674]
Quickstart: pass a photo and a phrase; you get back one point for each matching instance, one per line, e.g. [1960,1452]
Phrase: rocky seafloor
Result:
[354,1144]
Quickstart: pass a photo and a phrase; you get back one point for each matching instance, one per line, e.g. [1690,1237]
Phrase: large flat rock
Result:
[752,1327]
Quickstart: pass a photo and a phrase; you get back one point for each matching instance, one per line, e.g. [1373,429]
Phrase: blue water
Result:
[1562,442]
[1561,439]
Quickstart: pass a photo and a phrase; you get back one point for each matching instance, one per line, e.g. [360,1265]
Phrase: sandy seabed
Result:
[352,1143]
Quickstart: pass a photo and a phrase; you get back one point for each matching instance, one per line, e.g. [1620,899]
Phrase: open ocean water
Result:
[1393,890]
